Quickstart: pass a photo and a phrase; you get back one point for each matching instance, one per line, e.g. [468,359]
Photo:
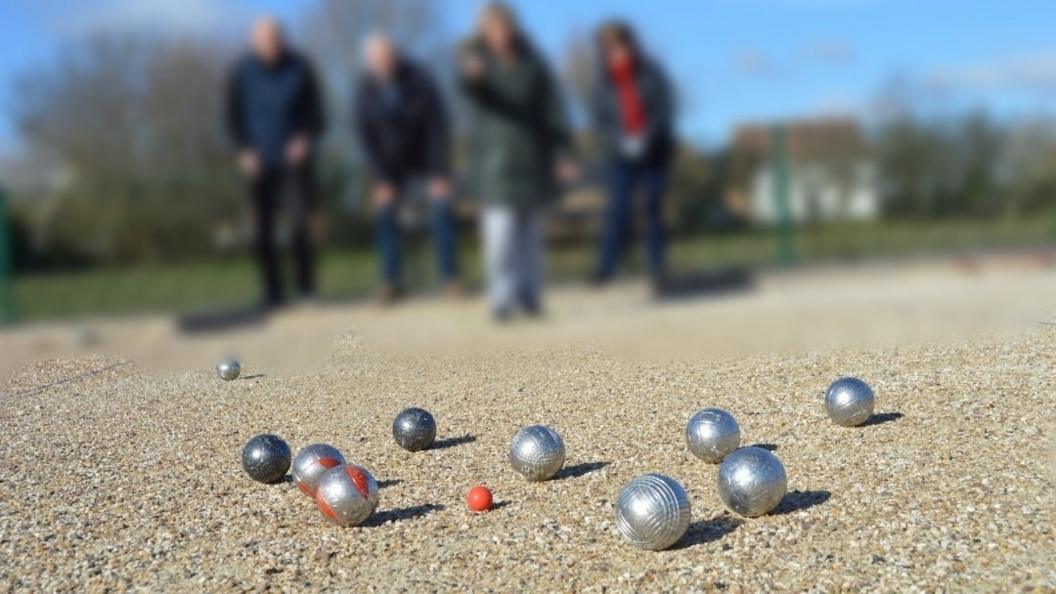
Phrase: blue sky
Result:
[735,60]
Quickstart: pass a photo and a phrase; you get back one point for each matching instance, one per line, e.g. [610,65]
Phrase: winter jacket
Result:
[267,105]
[402,124]
[654,92]
[519,129]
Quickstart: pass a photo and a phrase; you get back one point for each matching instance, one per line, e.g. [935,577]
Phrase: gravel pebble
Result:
[126,480]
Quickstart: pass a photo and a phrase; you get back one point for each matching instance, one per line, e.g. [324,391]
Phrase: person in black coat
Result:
[275,116]
[633,111]
[403,128]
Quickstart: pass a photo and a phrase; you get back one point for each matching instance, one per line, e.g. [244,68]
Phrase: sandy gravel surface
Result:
[813,309]
[119,467]
[126,479]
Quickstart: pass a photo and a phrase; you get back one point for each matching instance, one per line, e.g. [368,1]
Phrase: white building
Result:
[830,175]
[817,192]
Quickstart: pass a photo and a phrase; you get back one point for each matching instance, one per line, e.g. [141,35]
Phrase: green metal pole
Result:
[786,246]
[7,282]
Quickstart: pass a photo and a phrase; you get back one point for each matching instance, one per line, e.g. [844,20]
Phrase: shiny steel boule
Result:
[347,495]
[311,463]
[414,429]
[652,512]
[752,481]
[266,458]
[849,401]
[712,434]
[228,369]
[537,452]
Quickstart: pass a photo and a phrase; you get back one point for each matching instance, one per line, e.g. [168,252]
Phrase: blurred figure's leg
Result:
[529,250]
[445,239]
[388,237]
[303,236]
[265,189]
[617,219]
[654,185]
[500,259]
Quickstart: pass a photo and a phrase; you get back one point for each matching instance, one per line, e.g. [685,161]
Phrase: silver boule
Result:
[712,434]
[228,369]
[752,481]
[652,512]
[537,452]
[849,401]
[414,429]
[347,495]
[311,463]
[266,458]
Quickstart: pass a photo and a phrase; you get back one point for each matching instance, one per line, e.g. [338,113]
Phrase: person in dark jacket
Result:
[633,111]
[521,147]
[275,116]
[403,128]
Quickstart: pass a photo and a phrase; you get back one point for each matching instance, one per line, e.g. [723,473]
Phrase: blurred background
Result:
[810,131]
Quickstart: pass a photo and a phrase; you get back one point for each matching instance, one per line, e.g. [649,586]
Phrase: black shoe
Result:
[531,306]
[502,315]
[270,303]
[659,282]
[390,295]
[599,280]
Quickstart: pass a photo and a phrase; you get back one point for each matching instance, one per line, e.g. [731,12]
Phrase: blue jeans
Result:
[444,238]
[624,179]
[513,257]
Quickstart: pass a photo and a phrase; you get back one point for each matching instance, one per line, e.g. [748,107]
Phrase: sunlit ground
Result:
[782,311]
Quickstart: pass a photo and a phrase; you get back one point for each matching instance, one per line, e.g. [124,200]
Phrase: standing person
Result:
[403,127]
[521,144]
[633,111]
[275,116]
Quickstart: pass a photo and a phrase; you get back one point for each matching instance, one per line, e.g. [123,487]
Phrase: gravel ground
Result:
[127,478]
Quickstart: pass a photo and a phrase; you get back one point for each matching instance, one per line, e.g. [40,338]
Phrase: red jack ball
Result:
[479,499]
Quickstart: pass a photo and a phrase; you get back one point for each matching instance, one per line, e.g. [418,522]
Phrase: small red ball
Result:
[479,499]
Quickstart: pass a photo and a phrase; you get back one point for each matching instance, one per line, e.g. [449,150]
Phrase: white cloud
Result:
[806,4]
[833,52]
[833,102]
[149,17]
[754,62]
[1033,72]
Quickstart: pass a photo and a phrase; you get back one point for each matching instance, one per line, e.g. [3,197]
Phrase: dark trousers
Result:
[265,190]
[390,242]
[624,180]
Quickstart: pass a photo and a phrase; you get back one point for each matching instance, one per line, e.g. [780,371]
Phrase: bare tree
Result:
[579,73]
[133,124]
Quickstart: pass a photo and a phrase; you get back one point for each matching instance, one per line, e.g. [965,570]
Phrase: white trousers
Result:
[513,256]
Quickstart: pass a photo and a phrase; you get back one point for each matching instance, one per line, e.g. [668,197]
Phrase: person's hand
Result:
[297,149]
[439,188]
[472,65]
[249,162]
[383,195]
[632,146]
[566,171]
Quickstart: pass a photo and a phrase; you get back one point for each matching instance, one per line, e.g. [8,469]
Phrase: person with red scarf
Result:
[633,111]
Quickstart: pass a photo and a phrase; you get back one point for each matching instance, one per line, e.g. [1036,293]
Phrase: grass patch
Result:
[351,274]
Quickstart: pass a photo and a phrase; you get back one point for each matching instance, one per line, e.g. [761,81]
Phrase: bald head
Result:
[380,55]
[266,39]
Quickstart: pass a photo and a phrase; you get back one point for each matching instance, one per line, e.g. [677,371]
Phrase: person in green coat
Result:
[520,153]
